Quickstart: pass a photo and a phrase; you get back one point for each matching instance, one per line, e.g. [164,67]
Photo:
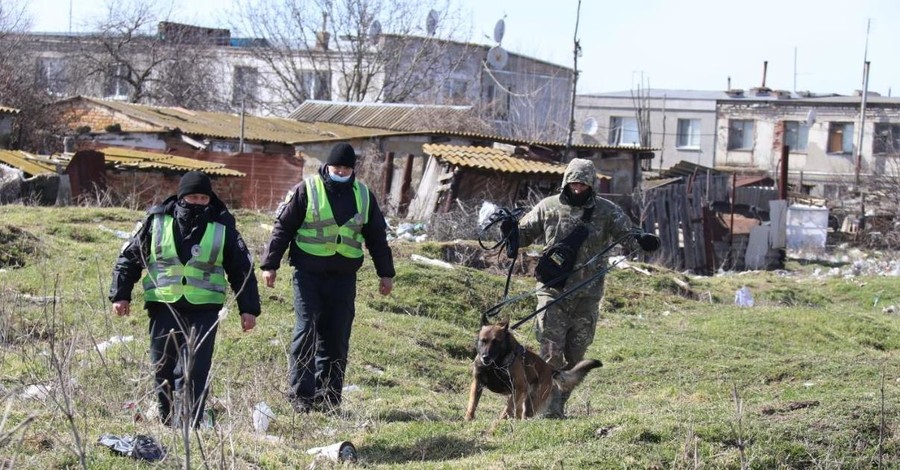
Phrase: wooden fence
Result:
[680,213]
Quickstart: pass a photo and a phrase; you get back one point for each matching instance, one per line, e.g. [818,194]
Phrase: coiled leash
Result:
[511,243]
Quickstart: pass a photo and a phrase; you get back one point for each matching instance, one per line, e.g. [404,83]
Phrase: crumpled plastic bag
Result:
[140,447]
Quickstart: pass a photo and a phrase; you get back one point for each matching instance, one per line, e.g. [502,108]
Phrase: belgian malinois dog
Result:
[504,366]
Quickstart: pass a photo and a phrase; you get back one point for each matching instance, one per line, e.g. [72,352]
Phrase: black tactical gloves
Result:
[648,241]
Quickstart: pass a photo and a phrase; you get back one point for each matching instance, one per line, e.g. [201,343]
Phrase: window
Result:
[796,135]
[498,101]
[740,134]
[116,85]
[455,90]
[50,75]
[887,138]
[840,137]
[688,133]
[244,85]
[315,85]
[623,131]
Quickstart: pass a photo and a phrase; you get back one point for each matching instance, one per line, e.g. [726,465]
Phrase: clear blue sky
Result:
[679,44]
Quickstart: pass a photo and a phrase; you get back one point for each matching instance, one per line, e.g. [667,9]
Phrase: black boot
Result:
[556,405]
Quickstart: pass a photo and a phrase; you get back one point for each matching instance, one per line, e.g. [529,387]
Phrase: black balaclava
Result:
[193,216]
[578,200]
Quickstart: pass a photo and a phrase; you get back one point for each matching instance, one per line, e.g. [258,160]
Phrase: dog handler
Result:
[188,245]
[573,226]
[325,220]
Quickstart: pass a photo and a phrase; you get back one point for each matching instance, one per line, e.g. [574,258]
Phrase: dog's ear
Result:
[504,323]
[484,319]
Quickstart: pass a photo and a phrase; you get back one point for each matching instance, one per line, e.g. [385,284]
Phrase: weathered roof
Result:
[29,163]
[700,95]
[122,158]
[228,126]
[8,110]
[393,116]
[494,159]
[141,159]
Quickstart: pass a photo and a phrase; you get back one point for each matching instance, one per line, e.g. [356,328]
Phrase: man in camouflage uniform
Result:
[566,329]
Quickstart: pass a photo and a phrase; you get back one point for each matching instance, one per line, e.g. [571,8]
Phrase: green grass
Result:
[806,363]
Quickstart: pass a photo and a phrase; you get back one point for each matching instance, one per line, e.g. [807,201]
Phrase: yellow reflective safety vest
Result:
[320,235]
[200,281]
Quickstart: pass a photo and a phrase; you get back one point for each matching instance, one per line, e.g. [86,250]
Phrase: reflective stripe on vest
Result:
[320,235]
[200,281]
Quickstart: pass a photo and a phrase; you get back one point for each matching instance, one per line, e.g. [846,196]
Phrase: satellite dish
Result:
[374,31]
[499,29]
[497,57]
[590,126]
[810,117]
[431,22]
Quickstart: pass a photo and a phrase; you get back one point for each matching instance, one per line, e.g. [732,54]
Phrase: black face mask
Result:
[191,215]
[577,199]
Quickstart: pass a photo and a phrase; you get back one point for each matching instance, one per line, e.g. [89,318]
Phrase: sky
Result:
[814,45]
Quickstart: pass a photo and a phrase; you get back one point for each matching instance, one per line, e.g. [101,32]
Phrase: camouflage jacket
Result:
[553,218]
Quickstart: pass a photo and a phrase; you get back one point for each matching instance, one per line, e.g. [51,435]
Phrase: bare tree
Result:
[352,50]
[35,127]
[139,56]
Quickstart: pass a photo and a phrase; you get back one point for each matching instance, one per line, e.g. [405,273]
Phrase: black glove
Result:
[648,242]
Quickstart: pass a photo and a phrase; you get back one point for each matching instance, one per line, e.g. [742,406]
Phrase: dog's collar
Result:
[518,351]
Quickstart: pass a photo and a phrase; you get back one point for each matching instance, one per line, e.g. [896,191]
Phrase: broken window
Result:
[455,90]
[887,138]
[796,135]
[688,133]
[623,131]
[840,137]
[244,85]
[115,84]
[498,100]
[50,75]
[740,134]
[314,85]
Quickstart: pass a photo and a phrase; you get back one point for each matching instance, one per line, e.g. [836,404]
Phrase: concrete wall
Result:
[664,116]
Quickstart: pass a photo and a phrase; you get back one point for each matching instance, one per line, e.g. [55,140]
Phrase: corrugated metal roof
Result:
[29,163]
[493,159]
[393,116]
[6,109]
[161,161]
[228,126]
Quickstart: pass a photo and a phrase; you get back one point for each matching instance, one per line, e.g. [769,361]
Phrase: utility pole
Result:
[576,53]
[862,111]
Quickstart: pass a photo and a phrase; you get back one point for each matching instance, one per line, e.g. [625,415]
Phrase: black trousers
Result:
[179,367]
[324,307]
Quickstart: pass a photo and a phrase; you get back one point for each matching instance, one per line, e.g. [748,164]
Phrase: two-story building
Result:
[831,147]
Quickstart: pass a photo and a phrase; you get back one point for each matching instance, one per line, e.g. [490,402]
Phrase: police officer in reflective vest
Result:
[324,222]
[191,251]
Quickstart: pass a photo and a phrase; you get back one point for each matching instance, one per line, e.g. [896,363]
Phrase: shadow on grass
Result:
[437,448]
[403,416]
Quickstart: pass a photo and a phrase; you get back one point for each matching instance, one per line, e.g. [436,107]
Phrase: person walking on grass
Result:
[324,222]
[191,250]
[574,225]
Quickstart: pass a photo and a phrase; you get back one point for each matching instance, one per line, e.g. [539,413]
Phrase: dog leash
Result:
[495,310]
[509,243]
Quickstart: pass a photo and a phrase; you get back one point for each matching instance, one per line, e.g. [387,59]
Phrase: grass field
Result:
[807,378]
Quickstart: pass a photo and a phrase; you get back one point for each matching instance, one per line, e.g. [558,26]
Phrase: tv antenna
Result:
[375,32]
[431,22]
[590,126]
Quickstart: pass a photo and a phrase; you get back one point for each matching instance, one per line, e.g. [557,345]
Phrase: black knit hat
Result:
[342,154]
[195,182]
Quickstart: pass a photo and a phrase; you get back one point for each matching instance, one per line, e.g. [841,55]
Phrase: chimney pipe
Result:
[729,83]
[765,69]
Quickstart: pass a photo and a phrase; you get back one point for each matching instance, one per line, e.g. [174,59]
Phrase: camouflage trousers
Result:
[566,329]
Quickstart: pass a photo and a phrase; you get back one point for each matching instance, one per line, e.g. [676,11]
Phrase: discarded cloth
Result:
[140,447]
